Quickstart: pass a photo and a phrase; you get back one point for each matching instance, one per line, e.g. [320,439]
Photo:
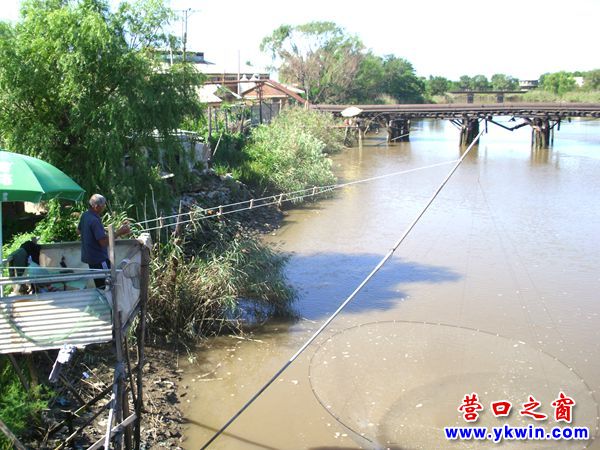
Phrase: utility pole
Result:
[184,27]
[185,14]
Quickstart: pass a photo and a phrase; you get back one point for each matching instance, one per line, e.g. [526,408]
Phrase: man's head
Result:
[97,203]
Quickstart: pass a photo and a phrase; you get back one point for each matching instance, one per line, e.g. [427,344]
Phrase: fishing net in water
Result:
[398,384]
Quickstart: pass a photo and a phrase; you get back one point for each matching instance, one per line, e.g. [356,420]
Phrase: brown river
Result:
[493,297]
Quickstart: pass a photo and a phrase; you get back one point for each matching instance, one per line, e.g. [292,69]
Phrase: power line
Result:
[223,210]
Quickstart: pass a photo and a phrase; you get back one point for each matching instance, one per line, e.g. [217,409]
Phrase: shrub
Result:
[318,124]
[289,154]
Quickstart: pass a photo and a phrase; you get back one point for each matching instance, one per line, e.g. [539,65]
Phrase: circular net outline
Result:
[372,443]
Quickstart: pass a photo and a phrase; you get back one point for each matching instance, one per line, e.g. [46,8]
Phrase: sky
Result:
[523,38]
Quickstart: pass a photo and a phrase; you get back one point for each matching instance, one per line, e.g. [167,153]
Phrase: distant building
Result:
[273,91]
[230,85]
[579,81]
[227,77]
[528,84]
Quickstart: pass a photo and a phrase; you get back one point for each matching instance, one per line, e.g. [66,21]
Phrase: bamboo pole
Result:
[92,402]
[81,428]
[144,280]
[11,436]
[17,368]
[117,429]
[117,335]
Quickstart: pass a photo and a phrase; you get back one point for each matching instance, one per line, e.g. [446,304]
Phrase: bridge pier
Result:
[542,133]
[469,130]
[398,130]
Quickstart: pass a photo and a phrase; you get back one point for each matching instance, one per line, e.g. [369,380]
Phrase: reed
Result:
[215,278]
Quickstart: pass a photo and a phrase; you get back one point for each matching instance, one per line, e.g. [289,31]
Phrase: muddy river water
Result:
[495,293]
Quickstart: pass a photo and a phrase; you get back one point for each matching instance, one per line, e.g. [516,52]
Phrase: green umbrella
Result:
[27,179]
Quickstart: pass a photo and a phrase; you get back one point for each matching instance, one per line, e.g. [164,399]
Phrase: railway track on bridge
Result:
[553,111]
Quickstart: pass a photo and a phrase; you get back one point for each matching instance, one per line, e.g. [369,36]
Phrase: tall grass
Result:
[577,96]
[532,96]
[198,283]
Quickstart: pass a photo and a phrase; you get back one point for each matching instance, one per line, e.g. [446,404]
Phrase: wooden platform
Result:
[47,321]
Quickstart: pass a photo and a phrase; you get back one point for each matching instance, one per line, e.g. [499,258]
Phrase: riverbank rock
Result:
[210,190]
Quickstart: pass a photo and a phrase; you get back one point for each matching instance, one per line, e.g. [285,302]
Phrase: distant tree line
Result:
[333,66]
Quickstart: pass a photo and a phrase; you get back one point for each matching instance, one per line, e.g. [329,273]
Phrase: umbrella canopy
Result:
[27,179]
[351,111]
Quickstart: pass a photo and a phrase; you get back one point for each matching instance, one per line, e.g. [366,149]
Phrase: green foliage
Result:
[480,83]
[498,82]
[591,80]
[332,66]
[400,80]
[60,223]
[558,82]
[229,150]
[82,88]
[18,408]
[476,83]
[437,85]
[288,155]
[379,78]
[501,82]
[465,83]
[318,56]
[315,123]
[367,83]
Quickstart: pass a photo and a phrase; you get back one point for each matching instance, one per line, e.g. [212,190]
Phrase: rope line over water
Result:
[278,199]
[349,298]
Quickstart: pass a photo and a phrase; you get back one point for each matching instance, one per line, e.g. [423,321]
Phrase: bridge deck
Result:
[457,110]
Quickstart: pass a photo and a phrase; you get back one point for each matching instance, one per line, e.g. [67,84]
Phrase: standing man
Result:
[94,240]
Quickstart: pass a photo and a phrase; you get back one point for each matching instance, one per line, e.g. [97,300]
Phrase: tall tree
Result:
[480,83]
[502,82]
[318,56]
[591,79]
[401,81]
[465,83]
[367,86]
[437,85]
[81,87]
[387,78]
[558,82]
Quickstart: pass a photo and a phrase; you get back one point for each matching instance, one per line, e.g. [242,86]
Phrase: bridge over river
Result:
[542,117]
